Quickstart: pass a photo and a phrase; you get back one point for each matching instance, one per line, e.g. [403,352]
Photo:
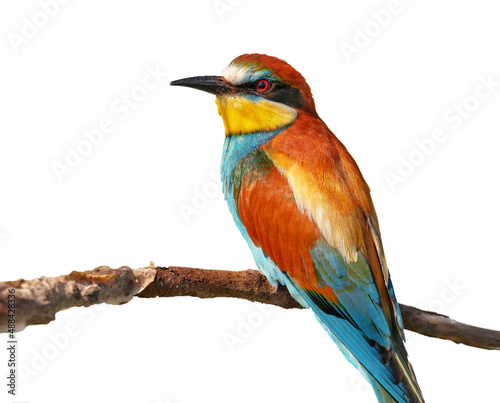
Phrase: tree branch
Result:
[37,301]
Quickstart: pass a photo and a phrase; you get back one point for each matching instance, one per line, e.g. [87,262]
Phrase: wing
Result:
[295,219]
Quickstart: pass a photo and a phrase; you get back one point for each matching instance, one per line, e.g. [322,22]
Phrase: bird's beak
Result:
[213,84]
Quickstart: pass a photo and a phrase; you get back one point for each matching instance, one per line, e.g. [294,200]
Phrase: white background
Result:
[121,205]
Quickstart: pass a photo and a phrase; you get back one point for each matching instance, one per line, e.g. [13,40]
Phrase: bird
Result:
[301,203]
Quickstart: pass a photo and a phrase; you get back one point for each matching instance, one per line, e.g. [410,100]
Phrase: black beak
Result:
[212,84]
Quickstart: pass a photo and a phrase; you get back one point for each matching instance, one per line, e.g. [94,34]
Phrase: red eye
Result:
[262,85]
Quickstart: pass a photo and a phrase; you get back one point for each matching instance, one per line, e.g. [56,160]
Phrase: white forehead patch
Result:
[235,74]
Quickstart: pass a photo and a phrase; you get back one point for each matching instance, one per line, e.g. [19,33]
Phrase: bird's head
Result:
[256,93]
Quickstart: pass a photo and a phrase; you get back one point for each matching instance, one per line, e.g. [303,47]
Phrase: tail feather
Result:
[382,395]
[388,371]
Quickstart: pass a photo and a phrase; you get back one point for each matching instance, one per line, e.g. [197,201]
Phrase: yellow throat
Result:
[242,115]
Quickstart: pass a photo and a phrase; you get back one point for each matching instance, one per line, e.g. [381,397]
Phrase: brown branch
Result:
[37,301]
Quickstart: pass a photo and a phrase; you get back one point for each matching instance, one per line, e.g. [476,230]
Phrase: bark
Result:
[37,301]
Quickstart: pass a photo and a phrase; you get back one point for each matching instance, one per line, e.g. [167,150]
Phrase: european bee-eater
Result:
[303,207]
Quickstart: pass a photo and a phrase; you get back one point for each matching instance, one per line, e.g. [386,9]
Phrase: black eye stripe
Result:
[285,95]
[277,92]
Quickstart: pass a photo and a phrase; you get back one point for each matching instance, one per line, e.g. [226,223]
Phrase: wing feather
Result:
[345,295]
